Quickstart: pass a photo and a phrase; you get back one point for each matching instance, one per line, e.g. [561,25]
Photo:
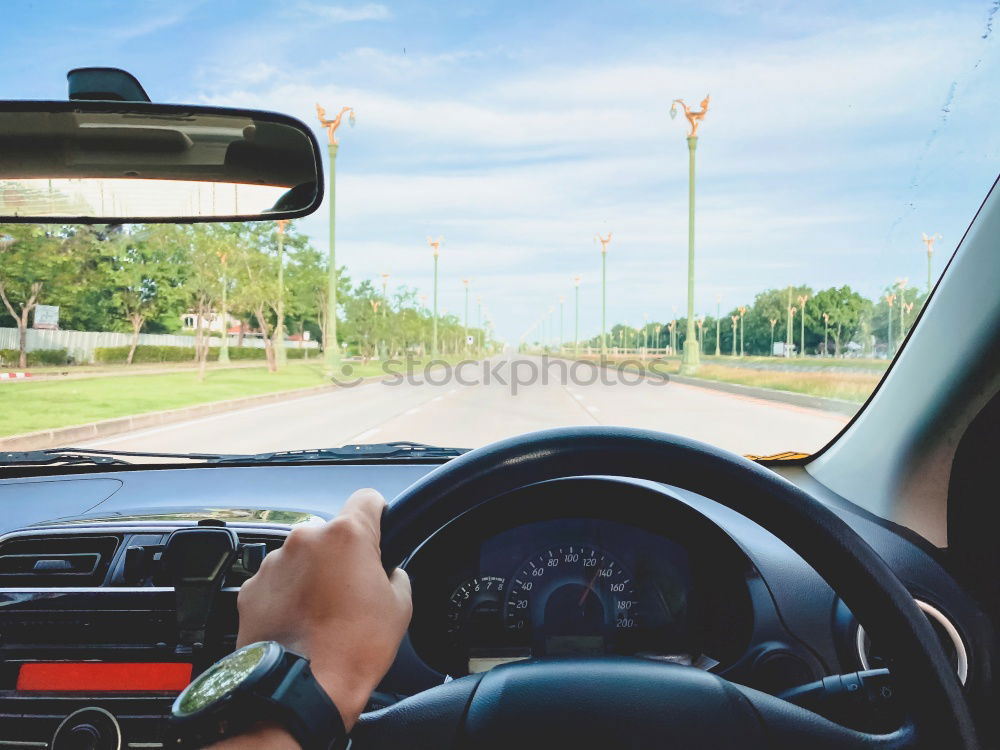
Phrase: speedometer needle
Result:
[590,587]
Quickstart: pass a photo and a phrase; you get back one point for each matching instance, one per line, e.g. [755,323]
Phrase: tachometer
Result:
[474,609]
[571,599]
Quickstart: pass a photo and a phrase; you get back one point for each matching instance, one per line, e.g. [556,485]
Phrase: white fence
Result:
[81,344]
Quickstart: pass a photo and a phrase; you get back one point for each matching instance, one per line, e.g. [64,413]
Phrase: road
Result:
[494,399]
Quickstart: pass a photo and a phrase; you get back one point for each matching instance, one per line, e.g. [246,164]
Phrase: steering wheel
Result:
[603,702]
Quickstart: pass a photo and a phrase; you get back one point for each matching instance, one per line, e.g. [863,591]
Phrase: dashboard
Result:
[576,579]
[568,567]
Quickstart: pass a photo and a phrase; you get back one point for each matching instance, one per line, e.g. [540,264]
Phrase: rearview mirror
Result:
[97,162]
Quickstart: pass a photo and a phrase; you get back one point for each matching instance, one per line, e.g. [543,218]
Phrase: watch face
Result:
[222,678]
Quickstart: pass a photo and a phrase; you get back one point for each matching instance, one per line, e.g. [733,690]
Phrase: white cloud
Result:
[799,163]
[348,14]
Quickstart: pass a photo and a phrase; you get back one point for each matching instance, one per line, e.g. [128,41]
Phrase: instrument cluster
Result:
[489,589]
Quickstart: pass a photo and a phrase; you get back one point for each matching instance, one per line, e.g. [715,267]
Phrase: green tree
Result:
[33,263]
[846,310]
[147,276]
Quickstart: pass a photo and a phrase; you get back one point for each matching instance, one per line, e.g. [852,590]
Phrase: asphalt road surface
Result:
[494,399]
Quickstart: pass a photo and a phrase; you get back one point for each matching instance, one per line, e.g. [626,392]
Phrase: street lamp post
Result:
[803,298]
[436,249]
[385,307]
[734,318]
[656,331]
[692,354]
[771,351]
[788,332]
[902,283]
[929,241]
[604,287]
[701,333]
[743,311]
[673,332]
[465,283]
[889,300]
[826,334]
[645,333]
[718,321]
[791,324]
[562,304]
[576,314]
[331,350]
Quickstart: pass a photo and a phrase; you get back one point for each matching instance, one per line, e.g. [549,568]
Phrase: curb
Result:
[62,436]
[820,403]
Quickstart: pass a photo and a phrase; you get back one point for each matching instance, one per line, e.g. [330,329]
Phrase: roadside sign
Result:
[46,316]
[469,340]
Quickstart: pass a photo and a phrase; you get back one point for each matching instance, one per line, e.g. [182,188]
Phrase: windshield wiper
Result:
[92,456]
[400,450]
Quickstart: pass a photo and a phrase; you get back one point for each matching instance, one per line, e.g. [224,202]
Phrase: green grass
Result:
[47,404]
[44,404]
[849,386]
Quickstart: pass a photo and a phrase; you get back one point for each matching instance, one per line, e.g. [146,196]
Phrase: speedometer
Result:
[573,598]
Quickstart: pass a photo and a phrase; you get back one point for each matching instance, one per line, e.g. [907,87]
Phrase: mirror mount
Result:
[108,84]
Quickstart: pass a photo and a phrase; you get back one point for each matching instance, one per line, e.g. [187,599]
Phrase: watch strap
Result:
[307,712]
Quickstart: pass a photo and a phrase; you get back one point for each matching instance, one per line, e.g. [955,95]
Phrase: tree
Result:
[147,276]
[203,246]
[32,263]
[845,308]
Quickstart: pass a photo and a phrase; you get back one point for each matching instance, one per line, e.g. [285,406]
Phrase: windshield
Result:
[713,219]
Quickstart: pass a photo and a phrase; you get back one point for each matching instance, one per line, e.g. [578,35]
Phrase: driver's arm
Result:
[324,595]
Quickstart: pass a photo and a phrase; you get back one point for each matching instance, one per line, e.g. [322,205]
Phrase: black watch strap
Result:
[306,710]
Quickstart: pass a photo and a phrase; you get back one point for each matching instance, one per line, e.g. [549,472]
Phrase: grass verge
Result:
[46,404]
[849,386]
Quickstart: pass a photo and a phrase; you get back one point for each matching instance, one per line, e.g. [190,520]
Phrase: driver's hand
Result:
[325,595]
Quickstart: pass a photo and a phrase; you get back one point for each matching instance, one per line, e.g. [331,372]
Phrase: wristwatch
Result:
[259,682]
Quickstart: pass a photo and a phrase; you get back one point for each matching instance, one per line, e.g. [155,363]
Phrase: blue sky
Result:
[838,132]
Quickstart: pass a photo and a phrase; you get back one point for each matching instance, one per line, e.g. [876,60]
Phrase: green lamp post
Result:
[562,304]
[576,313]
[436,249]
[465,283]
[692,355]
[803,298]
[718,322]
[604,286]
[331,349]
[479,323]
[929,241]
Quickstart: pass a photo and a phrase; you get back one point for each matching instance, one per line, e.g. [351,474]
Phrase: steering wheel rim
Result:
[935,706]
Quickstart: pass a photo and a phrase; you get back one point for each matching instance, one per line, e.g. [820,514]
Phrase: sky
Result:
[837,133]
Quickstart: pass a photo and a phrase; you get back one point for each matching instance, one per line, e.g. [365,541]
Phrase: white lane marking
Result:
[437,398]
[578,396]
[213,417]
[453,391]
[593,409]
[414,410]
[364,435]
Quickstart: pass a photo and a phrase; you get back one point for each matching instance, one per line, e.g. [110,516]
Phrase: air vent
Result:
[947,633]
[59,560]
[237,574]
